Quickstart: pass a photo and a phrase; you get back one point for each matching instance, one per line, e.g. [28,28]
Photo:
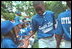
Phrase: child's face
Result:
[26,25]
[16,29]
[20,26]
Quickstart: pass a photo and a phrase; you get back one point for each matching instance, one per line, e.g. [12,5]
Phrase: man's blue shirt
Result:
[43,24]
[64,24]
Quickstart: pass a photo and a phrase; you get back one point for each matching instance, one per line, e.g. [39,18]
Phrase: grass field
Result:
[35,45]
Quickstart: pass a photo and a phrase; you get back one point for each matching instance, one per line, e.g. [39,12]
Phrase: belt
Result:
[47,37]
[66,40]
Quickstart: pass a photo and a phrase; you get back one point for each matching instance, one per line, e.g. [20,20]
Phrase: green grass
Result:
[35,45]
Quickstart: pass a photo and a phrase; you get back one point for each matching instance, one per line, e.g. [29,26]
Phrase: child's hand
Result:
[26,43]
[17,36]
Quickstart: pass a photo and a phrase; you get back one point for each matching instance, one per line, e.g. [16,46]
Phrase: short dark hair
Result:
[37,3]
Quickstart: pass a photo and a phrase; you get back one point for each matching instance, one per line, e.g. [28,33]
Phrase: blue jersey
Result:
[64,24]
[43,24]
[24,31]
[29,28]
[8,43]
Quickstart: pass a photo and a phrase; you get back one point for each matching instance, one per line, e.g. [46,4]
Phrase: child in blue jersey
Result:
[9,39]
[17,18]
[64,27]
[20,32]
[43,23]
[25,32]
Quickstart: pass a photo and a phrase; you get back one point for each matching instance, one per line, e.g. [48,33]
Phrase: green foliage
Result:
[26,6]
[55,6]
[8,16]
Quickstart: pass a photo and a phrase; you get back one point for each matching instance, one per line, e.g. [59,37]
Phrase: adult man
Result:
[42,23]
[64,27]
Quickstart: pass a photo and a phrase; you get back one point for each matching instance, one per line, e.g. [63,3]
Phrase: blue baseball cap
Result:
[6,26]
[28,19]
[18,12]
[16,23]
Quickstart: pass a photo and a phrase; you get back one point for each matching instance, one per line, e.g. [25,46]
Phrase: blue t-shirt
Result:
[8,43]
[43,24]
[64,24]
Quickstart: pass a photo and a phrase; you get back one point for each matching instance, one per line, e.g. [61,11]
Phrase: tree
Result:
[55,6]
[27,7]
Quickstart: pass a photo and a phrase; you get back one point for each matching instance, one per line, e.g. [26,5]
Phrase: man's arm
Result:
[32,33]
[34,28]
[59,31]
[58,40]
[26,44]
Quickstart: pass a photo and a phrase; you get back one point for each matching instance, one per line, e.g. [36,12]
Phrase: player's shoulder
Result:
[64,13]
[48,11]
[35,17]
[7,40]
